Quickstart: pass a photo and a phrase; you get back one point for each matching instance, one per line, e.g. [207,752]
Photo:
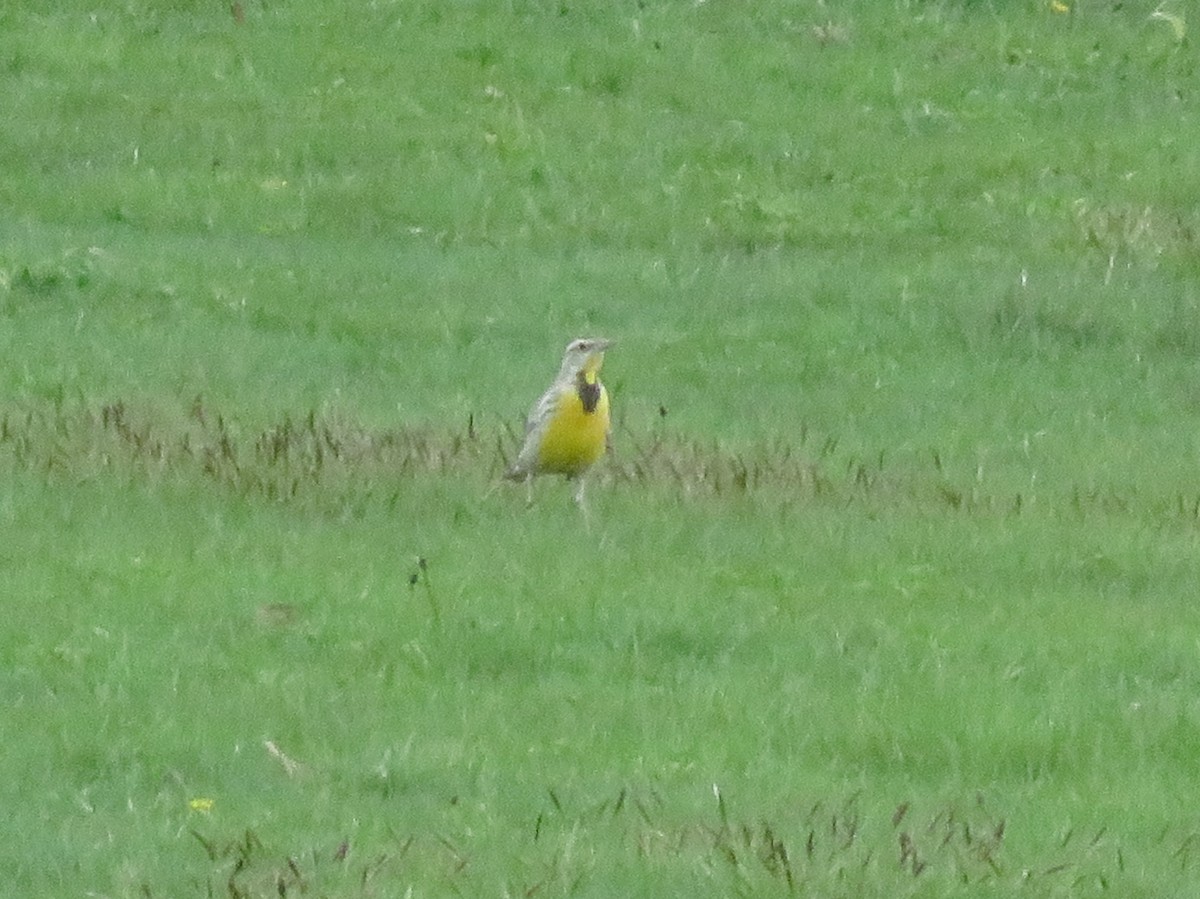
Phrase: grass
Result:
[888,587]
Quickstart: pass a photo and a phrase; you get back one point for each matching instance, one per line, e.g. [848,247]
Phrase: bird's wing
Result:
[535,426]
[543,409]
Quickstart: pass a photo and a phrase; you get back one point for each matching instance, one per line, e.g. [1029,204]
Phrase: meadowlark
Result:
[567,430]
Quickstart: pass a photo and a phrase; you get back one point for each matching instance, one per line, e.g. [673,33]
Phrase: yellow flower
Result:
[1059,6]
[200,804]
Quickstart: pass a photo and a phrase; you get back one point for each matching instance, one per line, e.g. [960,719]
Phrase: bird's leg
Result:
[529,491]
[580,502]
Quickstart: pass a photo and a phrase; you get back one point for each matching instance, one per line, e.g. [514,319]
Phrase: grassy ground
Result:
[888,589]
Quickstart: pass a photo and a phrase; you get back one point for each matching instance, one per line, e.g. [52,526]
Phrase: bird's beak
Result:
[603,344]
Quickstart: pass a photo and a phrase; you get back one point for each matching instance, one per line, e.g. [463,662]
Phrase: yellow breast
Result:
[574,438]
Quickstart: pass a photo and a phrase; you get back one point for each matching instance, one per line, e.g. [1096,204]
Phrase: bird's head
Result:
[584,354]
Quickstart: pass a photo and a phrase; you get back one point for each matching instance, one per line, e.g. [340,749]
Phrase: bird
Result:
[567,430]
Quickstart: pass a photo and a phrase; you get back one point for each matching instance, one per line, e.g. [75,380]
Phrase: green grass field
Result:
[888,588]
